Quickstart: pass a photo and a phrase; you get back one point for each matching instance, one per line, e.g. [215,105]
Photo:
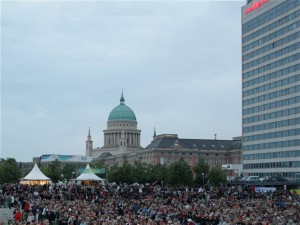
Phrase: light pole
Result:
[236,175]
[73,173]
[203,180]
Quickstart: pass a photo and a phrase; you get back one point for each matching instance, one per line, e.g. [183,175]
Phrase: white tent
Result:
[88,175]
[35,177]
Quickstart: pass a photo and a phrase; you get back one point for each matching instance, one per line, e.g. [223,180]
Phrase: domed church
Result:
[121,135]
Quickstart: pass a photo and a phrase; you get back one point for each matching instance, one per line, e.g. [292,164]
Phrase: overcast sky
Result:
[65,63]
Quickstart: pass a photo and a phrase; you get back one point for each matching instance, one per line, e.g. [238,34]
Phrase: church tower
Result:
[89,144]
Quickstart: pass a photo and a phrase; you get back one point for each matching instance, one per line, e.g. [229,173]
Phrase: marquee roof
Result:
[36,174]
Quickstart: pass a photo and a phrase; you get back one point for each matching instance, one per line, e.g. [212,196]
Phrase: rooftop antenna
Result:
[215,136]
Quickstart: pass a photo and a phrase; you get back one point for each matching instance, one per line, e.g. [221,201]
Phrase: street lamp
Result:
[236,175]
[73,175]
[203,180]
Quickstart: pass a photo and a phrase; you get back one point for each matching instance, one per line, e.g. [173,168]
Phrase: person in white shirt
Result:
[30,217]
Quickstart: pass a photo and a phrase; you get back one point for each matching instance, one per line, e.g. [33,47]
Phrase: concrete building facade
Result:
[271,87]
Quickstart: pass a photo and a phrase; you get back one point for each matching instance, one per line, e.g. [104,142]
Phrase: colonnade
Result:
[112,139]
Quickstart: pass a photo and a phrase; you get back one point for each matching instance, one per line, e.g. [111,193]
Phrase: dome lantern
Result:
[122,99]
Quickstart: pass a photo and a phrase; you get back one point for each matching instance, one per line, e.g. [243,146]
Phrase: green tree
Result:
[69,171]
[111,174]
[101,165]
[9,171]
[54,171]
[159,172]
[121,174]
[180,173]
[140,172]
[126,173]
[217,176]
[201,170]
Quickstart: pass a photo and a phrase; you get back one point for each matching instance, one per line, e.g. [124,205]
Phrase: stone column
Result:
[135,139]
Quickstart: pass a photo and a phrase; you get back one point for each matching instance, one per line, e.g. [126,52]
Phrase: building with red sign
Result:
[271,87]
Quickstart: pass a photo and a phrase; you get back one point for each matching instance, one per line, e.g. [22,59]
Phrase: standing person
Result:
[26,206]
[30,217]
[17,216]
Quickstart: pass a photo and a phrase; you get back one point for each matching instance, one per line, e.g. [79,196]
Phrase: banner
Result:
[65,158]
[265,189]
[95,171]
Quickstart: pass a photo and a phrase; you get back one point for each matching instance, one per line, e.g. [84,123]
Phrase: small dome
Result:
[122,112]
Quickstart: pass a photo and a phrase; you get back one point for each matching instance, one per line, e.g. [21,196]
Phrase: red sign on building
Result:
[255,5]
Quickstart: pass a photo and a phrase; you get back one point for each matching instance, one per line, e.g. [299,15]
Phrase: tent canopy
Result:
[88,176]
[36,174]
[35,177]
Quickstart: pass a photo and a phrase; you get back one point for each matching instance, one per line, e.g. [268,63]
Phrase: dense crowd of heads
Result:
[72,204]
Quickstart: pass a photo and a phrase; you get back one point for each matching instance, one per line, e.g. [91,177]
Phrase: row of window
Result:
[272,55]
[272,105]
[271,36]
[272,145]
[271,46]
[130,125]
[272,125]
[273,65]
[269,15]
[272,115]
[272,165]
[272,155]
[271,26]
[272,85]
[273,75]
[271,135]
[272,95]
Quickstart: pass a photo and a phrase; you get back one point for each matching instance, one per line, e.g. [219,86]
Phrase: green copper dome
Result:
[122,112]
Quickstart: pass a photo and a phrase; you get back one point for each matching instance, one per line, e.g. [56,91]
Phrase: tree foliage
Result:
[69,171]
[177,174]
[101,165]
[201,170]
[9,171]
[159,172]
[122,174]
[217,176]
[139,172]
[54,171]
[180,173]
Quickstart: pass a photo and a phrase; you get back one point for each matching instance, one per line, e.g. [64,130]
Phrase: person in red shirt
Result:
[17,216]
[26,207]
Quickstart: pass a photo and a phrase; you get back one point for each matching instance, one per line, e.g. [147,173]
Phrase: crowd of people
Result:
[74,204]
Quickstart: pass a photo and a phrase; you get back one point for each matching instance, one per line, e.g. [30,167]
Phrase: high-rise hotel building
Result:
[271,87]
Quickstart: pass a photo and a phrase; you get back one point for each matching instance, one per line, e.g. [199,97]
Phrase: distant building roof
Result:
[205,144]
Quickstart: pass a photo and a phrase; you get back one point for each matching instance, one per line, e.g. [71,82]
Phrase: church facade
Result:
[122,144]
[121,135]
